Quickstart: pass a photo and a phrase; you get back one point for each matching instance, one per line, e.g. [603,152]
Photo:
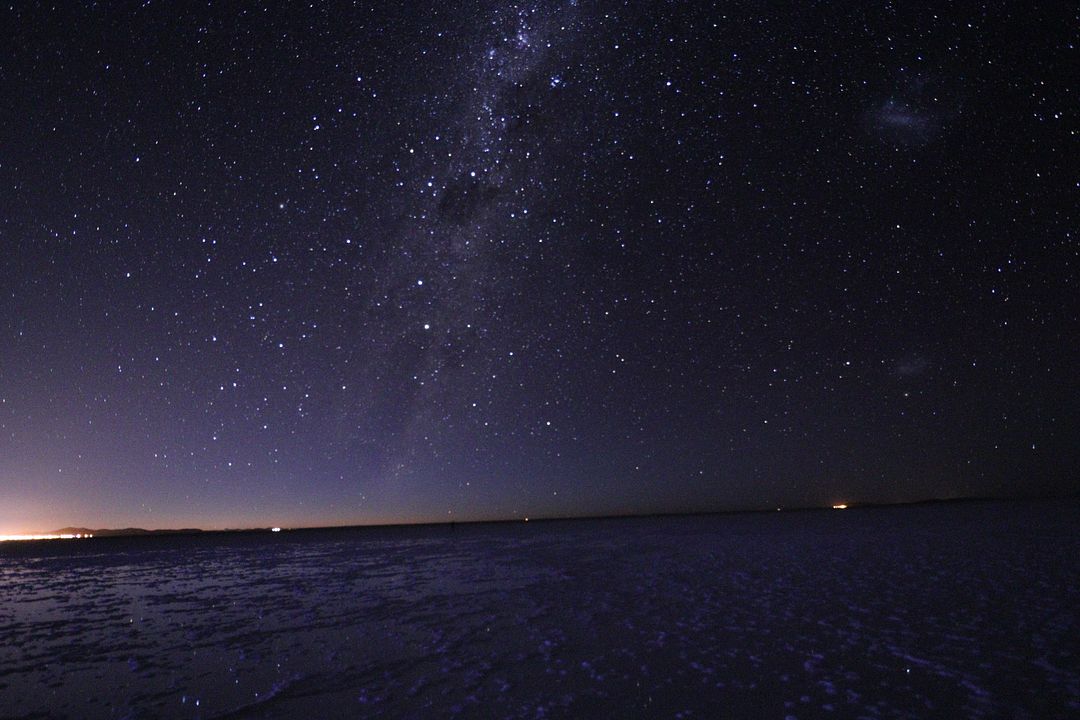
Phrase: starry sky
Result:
[334,263]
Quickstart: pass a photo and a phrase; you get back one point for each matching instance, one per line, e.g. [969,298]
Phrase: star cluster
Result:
[344,262]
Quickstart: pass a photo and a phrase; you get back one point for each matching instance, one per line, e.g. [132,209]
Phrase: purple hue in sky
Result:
[272,264]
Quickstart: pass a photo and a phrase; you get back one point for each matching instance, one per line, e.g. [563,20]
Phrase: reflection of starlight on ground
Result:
[65,536]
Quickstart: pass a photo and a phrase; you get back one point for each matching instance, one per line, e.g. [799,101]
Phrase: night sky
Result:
[284,264]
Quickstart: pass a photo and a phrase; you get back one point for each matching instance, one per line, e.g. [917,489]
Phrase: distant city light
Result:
[50,536]
[841,506]
[275,529]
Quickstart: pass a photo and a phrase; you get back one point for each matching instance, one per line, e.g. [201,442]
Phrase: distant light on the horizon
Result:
[48,536]
[841,506]
[276,529]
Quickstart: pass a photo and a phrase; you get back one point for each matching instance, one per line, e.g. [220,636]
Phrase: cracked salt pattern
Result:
[938,611]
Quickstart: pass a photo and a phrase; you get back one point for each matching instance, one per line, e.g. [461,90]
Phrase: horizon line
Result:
[84,532]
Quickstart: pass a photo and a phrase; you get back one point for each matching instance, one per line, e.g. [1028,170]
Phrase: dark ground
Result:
[965,610]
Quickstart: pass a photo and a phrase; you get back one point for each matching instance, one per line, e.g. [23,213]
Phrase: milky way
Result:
[284,265]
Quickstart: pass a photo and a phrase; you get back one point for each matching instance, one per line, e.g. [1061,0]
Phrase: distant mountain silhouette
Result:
[123,531]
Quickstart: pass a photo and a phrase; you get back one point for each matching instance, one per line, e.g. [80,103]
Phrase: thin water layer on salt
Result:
[942,611]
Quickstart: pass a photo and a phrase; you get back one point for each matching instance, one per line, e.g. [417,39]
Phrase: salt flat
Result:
[966,610]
